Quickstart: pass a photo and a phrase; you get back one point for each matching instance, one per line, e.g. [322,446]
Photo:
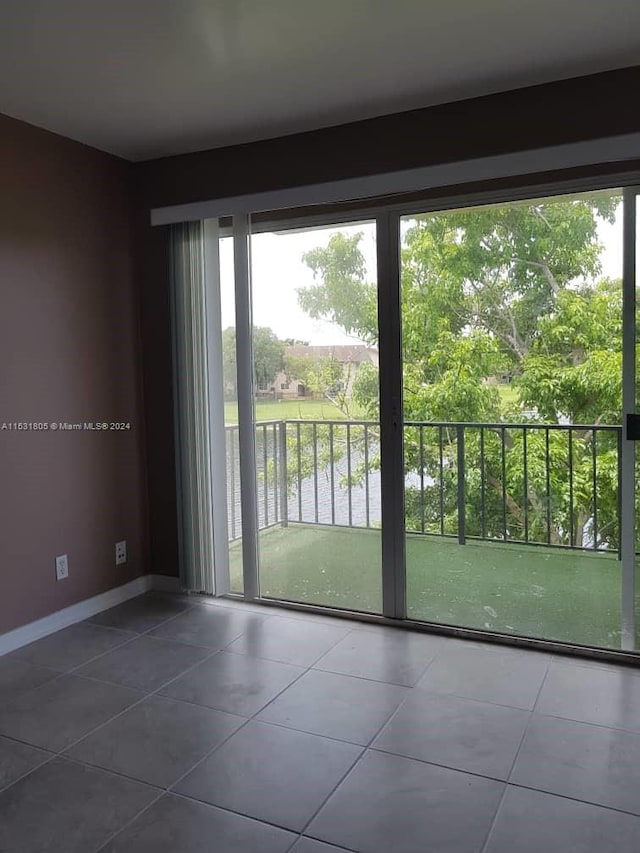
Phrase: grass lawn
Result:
[508,396]
[279,410]
[569,596]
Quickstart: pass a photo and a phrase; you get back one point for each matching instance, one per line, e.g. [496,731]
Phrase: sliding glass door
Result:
[630,478]
[512,348]
[503,337]
[315,410]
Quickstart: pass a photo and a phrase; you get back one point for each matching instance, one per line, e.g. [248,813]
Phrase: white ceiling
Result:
[147,78]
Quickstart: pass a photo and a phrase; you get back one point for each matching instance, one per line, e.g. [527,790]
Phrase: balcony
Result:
[512,528]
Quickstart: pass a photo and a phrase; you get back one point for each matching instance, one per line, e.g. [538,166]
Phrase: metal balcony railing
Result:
[556,485]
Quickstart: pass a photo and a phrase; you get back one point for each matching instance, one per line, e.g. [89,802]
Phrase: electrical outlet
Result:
[62,567]
[121,552]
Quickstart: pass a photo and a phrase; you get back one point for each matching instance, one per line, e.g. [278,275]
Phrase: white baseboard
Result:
[77,612]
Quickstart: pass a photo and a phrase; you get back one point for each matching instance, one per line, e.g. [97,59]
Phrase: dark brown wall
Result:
[564,112]
[69,341]
[552,114]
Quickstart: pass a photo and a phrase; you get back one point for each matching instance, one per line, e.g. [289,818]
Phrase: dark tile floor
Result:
[180,725]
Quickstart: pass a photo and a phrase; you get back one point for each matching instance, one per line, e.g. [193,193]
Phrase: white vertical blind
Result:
[191,407]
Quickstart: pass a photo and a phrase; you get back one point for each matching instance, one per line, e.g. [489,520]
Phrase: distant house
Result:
[350,357]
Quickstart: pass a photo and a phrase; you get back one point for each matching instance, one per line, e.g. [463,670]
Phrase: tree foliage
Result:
[229,366]
[498,292]
[341,294]
[574,367]
[320,374]
[268,358]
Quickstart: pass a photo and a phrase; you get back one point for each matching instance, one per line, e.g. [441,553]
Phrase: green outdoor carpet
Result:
[570,596]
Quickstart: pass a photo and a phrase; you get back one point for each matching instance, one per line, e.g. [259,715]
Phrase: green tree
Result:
[574,367]
[341,294]
[486,292]
[268,358]
[495,269]
[229,366]
[320,374]
[499,268]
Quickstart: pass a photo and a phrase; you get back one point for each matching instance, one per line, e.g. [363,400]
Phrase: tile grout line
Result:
[531,717]
[342,779]
[61,673]
[364,750]
[606,726]
[316,668]
[228,810]
[142,699]
[286,663]
[248,720]
[138,814]
[404,701]
[505,782]
[332,738]
[69,759]
[515,758]
[542,684]
[47,760]
[474,773]
[573,799]
[494,819]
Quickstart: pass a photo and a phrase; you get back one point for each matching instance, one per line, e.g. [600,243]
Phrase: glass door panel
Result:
[315,359]
[512,365]
[632,198]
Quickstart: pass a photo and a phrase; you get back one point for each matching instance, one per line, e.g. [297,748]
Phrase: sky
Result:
[277,271]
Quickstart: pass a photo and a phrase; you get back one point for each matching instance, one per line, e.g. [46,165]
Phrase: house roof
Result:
[354,354]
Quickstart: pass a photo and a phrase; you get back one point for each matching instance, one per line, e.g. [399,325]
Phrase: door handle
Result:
[633,427]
